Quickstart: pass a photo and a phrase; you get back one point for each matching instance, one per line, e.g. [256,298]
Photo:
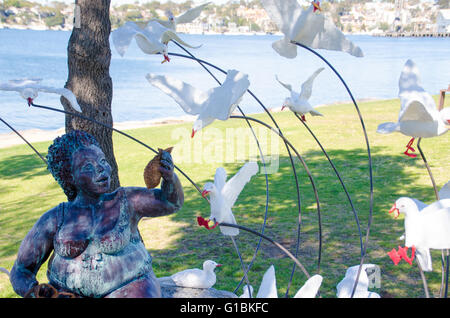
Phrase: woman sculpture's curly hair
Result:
[59,158]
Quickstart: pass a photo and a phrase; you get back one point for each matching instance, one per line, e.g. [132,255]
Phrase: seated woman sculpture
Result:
[94,236]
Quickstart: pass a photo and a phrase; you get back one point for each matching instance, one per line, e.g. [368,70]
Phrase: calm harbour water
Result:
[42,54]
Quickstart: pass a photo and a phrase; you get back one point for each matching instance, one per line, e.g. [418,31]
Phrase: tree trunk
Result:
[89,57]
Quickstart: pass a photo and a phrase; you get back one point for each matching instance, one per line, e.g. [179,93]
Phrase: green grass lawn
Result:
[27,190]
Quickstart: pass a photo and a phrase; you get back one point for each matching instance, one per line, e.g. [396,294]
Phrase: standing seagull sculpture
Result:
[197,278]
[425,229]
[298,102]
[223,196]
[153,39]
[216,103]
[186,17]
[29,89]
[418,117]
[306,27]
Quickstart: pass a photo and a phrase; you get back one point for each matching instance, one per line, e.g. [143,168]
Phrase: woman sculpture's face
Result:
[90,170]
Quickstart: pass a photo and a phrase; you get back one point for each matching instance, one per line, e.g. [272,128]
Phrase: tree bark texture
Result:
[89,57]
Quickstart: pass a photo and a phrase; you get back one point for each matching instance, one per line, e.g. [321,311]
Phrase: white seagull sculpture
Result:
[29,89]
[197,278]
[345,286]
[216,103]
[418,117]
[186,17]
[298,102]
[153,39]
[268,287]
[224,194]
[306,27]
[425,228]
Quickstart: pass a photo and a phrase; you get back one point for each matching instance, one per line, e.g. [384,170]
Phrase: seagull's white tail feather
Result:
[315,113]
[268,288]
[285,48]
[310,288]
[444,193]
[424,258]
[387,128]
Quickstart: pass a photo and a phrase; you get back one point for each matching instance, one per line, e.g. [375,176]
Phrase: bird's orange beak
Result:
[395,210]
[205,193]
[193,133]
[218,265]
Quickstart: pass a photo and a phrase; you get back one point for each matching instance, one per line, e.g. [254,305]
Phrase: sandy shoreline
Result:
[37,135]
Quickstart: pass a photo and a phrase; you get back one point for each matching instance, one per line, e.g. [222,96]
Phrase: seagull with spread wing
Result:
[153,39]
[224,194]
[418,117]
[268,287]
[298,102]
[186,17]
[216,103]
[29,89]
[306,27]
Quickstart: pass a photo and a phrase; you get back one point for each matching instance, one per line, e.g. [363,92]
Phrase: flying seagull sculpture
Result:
[307,27]
[153,39]
[217,103]
[29,89]
[186,17]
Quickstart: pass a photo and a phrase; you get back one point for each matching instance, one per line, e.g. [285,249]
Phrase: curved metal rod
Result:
[436,192]
[298,156]
[281,247]
[266,177]
[23,138]
[339,177]
[369,223]
[444,272]
[116,130]
[289,153]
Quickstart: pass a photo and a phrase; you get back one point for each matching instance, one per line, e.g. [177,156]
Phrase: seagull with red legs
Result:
[418,117]
[425,229]
[298,102]
[223,195]
[216,103]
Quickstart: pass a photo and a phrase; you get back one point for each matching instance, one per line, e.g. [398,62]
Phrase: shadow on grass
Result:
[339,232]
[340,237]
[27,166]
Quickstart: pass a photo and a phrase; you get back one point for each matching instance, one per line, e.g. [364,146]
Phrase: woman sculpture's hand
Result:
[166,166]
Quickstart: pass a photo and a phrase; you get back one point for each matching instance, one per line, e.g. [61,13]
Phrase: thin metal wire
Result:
[118,131]
[292,164]
[265,170]
[338,176]
[295,151]
[23,138]
[281,247]
[444,273]
[369,223]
